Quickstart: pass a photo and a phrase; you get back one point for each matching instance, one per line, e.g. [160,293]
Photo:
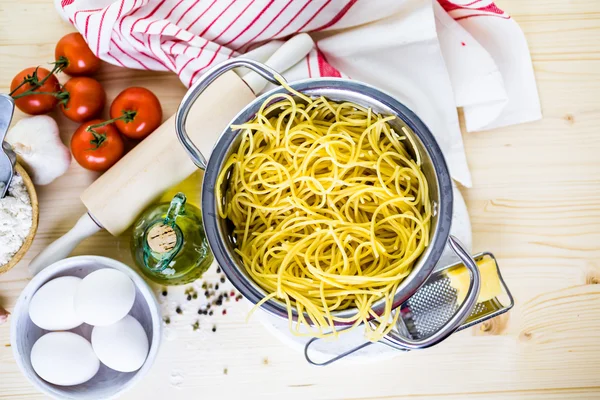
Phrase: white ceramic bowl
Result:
[107,383]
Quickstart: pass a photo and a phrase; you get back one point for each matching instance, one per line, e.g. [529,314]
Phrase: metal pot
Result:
[219,231]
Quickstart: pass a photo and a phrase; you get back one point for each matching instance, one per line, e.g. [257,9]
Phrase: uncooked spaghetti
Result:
[330,210]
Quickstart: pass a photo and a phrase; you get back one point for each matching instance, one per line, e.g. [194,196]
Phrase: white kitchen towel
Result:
[433,57]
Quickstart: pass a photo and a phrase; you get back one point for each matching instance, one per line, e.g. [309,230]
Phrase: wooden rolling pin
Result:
[159,162]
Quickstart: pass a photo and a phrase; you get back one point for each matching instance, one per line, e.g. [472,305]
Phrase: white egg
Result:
[104,297]
[64,358]
[52,306]
[122,346]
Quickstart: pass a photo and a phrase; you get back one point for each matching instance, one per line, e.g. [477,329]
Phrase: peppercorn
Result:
[225,295]
[219,302]
[218,270]
[206,293]
[189,297]
[224,312]
[178,310]
[210,313]
[214,329]
[232,293]
[222,279]
[167,320]
[164,292]
[217,286]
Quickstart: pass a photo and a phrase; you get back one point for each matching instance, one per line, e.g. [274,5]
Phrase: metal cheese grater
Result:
[429,309]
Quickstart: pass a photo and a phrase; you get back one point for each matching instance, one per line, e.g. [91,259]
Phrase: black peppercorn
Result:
[217,286]
[214,329]
[178,310]
[209,313]
[218,270]
[206,293]
[164,292]
[189,297]
[222,279]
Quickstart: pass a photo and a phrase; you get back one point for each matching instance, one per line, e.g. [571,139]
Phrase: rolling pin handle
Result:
[63,246]
[196,90]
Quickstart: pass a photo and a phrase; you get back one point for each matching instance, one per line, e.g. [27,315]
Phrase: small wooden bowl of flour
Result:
[16,237]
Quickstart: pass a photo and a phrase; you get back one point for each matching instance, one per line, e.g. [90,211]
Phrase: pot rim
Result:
[426,262]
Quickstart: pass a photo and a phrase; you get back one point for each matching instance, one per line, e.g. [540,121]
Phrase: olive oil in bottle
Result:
[169,244]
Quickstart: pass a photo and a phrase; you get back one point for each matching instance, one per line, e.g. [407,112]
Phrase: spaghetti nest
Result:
[330,210]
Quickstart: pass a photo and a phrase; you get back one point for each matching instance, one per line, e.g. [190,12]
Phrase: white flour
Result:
[16,218]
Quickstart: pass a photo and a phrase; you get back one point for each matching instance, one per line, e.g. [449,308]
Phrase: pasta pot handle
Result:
[199,86]
[397,341]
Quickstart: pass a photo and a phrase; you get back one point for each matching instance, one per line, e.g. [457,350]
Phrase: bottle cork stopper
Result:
[161,238]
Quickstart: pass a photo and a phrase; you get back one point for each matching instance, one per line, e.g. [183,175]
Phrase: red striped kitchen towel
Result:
[433,56]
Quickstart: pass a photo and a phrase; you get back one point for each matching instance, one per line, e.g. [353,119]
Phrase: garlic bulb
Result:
[37,142]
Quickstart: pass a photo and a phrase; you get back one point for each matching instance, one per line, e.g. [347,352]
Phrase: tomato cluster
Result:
[96,144]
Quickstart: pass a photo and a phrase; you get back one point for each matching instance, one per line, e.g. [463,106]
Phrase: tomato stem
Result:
[63,97]
[127,116]
[60,64]
[34,81]
[31,79]
[99,138]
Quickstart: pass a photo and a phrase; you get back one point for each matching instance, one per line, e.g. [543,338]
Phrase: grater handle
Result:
[395,340]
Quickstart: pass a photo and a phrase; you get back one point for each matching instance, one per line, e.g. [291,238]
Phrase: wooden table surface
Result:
[535,203]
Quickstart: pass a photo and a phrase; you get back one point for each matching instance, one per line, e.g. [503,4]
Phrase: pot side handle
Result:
[196,90]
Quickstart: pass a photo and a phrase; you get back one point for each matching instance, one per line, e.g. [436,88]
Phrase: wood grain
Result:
[535,203]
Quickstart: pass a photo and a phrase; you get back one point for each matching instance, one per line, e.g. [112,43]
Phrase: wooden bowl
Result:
[35,215]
